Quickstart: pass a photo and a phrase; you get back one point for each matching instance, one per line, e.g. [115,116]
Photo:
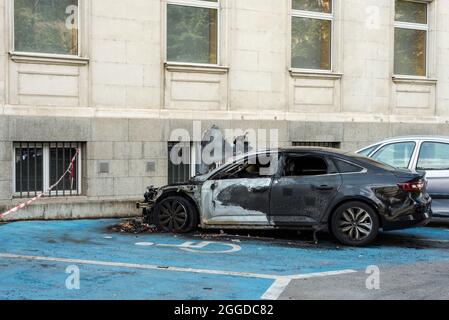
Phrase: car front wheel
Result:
[175,214]
[355,224]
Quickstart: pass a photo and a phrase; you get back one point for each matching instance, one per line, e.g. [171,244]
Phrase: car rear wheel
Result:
[175,214]
[355,224]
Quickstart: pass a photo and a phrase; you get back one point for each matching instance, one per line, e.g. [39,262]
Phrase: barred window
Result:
[335,145]
[410,38]
[192,31]
[179,170]
[39,165]
[311,42]
[46,26]
[185,160]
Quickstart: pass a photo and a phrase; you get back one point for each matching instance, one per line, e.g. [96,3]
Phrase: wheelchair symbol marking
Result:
[191,246]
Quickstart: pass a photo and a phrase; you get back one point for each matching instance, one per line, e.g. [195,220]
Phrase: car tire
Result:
[176,215]
[355,224]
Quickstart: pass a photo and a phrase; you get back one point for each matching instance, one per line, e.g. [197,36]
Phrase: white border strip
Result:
[273,293]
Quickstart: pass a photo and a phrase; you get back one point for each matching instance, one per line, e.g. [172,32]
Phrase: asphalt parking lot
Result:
[34,256]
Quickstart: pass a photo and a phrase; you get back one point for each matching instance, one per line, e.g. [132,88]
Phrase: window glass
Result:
[433,156]
[192,34]
[304,166]
[346,167]
[311,43]
[179,164]
[29,169]
[313,5]
[46,26]
[397,154]
[410,38]
[366,152]
[409,11]
[410,52]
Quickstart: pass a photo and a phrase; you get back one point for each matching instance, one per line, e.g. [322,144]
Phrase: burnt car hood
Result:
[187,184]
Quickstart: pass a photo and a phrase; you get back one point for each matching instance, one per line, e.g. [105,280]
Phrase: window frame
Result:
[420,151]
[329,163]
[245,160]
[46,54]
[195,4]
[317,16]
[413,26]
[46,146]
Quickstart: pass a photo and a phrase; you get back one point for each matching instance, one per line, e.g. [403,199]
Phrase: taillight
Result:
[415,186]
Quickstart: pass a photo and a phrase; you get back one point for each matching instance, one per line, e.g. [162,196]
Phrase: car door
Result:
[240,195]
[303,189]
[433,157]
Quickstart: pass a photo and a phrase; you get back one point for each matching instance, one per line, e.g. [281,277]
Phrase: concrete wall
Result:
[123,100]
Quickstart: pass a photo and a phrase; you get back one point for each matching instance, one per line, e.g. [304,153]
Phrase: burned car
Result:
[349,195]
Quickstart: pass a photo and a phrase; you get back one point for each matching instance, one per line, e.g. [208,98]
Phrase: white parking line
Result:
[321,274]
[276,289]
[279,285]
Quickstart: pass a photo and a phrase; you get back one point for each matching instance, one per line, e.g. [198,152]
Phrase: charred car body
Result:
[317,188]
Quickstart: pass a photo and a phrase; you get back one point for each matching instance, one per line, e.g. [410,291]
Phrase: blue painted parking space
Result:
[34,255]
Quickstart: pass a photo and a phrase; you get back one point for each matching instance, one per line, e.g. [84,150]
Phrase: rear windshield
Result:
[366,152]
[373,163]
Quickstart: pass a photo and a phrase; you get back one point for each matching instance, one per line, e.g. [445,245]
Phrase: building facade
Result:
[115,78]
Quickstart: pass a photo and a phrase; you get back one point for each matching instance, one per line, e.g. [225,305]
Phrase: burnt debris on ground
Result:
[292,238]
[133,226]
[285,237]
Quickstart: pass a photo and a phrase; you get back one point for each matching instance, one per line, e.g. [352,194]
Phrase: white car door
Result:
[433,157]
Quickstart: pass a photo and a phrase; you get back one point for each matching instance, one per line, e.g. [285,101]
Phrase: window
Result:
[192,31]
[250,168]
[46,26]
[335,145]
[410,38]
[433,156]
[311,42]
[37,166]
[367,151]
[179,171]
[397,155]
[305,166]
[346,167]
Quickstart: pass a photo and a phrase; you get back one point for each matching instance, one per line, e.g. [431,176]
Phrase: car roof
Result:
[422,137]
[408,138]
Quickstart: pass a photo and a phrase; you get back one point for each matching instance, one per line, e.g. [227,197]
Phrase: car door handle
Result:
[324,188]
[257,189]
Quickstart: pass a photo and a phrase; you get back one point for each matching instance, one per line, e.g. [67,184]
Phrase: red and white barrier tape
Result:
[70,170]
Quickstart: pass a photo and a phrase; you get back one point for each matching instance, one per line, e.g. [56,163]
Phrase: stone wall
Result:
[122,99]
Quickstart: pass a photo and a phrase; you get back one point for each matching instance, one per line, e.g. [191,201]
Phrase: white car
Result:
[419,153]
